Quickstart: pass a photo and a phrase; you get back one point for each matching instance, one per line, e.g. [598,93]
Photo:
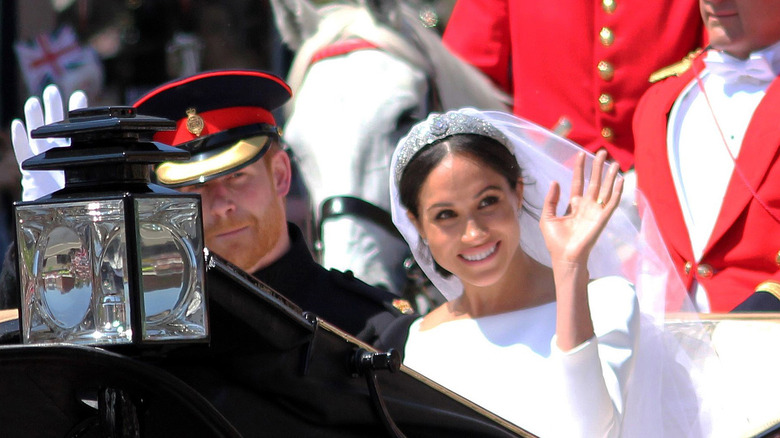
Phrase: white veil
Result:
[664,397]
[552,158]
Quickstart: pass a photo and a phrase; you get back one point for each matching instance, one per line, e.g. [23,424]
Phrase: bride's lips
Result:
[480,254]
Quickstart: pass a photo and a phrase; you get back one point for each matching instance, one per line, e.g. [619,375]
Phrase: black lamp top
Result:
[105,135]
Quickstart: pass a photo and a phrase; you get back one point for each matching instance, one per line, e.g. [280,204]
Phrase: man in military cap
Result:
[238,166]
[243,175]
[707,147]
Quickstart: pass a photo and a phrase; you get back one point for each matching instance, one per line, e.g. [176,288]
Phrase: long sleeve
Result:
[595,375]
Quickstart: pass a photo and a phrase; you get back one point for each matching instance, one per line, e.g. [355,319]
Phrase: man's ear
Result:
[281,172]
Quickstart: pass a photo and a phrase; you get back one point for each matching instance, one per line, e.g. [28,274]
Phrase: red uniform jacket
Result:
[588,61]
[743,249]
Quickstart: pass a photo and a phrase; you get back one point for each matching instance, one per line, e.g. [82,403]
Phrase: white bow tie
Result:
[733,70]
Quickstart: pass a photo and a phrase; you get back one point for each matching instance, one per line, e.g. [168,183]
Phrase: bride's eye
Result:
[488,201]
[445,214]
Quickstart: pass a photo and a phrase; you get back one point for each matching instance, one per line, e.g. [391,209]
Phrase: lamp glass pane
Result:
[171,258]
[73,272]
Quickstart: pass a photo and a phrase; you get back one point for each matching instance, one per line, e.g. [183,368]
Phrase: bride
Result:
[541,326]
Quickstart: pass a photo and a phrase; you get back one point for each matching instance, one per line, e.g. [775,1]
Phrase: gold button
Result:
[606,71]
[688,266]
[606,36]
[609,6]
[607,133]
[606,103]
[777,258]
[704,270]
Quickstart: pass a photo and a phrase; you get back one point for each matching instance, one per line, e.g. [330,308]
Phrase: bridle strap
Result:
[350,45]
[340,48]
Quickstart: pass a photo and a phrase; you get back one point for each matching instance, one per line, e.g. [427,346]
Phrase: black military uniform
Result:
[337,297]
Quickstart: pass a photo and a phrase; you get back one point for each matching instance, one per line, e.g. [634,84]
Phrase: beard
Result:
[246,249]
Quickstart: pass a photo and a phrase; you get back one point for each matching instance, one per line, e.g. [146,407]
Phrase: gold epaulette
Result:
[675,69]
[772,287]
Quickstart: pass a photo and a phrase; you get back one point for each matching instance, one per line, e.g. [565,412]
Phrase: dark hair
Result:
[485,150]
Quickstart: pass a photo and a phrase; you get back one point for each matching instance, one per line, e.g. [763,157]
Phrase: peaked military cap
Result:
[223,118]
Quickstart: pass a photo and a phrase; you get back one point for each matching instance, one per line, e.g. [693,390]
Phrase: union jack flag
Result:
[47,58]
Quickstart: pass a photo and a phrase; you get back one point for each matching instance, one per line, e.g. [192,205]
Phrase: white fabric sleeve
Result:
[595,374]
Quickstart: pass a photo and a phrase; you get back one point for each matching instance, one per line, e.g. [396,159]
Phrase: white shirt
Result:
[699,157]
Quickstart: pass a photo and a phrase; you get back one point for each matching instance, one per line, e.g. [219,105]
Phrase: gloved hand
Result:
[37,183]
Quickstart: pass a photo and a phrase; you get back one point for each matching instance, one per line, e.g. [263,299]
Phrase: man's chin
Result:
[229,254]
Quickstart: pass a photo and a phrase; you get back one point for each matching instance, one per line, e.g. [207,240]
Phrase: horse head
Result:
[363,74]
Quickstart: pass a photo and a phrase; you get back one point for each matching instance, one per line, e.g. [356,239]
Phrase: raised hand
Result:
[571,237]
[36,184]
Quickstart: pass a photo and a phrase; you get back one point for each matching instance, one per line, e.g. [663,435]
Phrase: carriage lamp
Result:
[111,258]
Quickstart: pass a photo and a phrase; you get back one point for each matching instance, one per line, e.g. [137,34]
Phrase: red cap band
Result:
[215,121]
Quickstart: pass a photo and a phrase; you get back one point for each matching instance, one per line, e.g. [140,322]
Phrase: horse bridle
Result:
[349,45]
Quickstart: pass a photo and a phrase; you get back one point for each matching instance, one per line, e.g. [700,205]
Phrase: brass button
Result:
[609,6]
[606,36]
[606,71]
[606,103]
[688,266]
[607,133]
[777,258]
[704,270]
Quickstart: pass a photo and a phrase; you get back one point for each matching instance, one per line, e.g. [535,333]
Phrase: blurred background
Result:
[117,50]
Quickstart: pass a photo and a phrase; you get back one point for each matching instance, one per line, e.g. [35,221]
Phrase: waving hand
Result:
[571,237]
[40,183]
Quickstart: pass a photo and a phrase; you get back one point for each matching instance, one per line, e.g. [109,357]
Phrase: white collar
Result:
[767,59]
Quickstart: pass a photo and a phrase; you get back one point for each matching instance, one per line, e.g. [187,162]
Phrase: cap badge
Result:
[195,123]
[403,306]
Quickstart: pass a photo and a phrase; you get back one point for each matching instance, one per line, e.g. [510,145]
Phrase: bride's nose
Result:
[474,231]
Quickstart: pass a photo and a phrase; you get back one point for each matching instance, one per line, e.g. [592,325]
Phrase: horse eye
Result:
[406,119]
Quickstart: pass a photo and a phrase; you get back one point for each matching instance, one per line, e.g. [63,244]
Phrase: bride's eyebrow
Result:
[487,189]
[449,204]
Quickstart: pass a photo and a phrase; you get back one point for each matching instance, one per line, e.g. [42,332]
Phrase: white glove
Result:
[38,183]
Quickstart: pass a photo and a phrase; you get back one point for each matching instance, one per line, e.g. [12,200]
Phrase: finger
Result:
[614,201]
[52,105]
[577,181]
[20,142]
[33,114]
[551,201]
[605,193]
[77,100]
[594,184]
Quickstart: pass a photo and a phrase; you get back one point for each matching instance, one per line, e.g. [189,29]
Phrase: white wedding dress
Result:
[510,365]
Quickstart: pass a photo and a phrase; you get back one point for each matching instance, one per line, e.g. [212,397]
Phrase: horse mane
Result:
[459,84]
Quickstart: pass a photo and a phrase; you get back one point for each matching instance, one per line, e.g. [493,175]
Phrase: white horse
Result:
[363,74]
